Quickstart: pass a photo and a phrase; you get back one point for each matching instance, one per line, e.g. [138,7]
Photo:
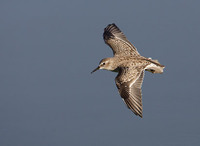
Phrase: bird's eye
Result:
[103,63]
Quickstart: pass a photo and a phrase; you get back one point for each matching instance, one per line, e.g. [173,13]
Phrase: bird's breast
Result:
[116,70]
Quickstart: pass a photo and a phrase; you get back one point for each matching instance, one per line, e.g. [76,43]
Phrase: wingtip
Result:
[137,114]
[110,26]
[141,116]
[110,30]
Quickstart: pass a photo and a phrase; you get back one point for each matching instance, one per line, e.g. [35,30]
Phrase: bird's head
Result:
[107,63]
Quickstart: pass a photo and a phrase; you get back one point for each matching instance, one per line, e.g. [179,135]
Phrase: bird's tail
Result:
[155,66]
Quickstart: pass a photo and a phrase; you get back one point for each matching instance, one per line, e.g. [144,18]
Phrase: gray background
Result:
[48,96]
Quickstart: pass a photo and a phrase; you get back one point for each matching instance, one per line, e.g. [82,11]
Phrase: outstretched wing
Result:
[130,90]
[115,38]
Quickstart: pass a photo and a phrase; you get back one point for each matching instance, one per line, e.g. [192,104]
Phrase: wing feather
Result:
[131,91]
[115,38]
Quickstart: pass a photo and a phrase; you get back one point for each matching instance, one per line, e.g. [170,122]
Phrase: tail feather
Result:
[155,67]
[156,61]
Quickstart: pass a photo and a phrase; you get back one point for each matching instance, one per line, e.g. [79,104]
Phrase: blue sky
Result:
[48,96]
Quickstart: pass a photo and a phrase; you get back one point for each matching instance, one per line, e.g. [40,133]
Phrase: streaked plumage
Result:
[130,66]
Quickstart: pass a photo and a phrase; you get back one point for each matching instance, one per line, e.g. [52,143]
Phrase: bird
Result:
[129,65]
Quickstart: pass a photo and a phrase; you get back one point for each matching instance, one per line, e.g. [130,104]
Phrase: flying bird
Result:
[130,66]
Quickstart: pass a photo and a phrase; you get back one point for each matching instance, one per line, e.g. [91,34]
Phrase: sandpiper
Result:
[130,66]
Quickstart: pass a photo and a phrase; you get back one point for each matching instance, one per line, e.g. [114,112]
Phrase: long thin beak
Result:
[95,69]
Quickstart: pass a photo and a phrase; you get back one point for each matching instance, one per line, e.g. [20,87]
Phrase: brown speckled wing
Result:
[115,38]
[130,90]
